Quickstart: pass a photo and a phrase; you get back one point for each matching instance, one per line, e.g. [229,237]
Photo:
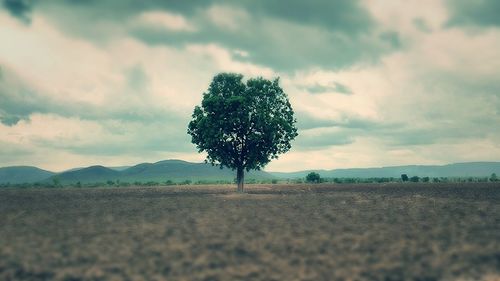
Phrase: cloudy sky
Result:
[373,83]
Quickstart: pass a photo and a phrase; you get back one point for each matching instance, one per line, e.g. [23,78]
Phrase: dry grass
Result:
[296,232]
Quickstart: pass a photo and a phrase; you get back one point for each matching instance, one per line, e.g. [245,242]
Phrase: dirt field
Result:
[336,232]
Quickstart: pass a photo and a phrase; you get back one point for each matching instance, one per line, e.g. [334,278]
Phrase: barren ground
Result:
[275,232]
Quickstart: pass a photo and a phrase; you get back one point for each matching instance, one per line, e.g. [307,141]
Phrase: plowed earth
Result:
[274,232]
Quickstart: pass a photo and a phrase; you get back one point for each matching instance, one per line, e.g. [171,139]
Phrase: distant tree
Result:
[404,177]
[425,179]
[243,126]
[56,182]
[493,177]
[414,179]
[483,179]
[313,177]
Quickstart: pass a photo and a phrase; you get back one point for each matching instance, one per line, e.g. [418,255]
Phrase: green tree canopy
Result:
[313,177]
[243,126]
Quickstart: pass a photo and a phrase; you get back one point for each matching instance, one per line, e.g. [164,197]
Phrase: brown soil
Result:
[274,232]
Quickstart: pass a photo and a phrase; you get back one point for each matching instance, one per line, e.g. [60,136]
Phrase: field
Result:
[274,232]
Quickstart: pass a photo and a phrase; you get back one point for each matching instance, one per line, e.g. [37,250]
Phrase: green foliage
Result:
[493,177]
[426,179]
[56,182]
[414,179]
[243,126]
[313,177]
[404,177]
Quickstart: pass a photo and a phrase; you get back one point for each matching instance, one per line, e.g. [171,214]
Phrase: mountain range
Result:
[178,170]
[469,169]
[173,170]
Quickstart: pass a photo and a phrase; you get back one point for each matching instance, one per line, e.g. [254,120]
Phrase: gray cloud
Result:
[134,129]
[20,9]
[284,36]
[392,38]
[479,13]
[344,15]
[327,139]
[131,140]
[334,87]
[20,101]
[272,42]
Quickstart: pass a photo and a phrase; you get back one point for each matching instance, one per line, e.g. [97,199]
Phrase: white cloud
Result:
[230,18]
[169,21]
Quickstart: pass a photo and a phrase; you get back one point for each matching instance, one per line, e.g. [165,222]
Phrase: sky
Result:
[372,83]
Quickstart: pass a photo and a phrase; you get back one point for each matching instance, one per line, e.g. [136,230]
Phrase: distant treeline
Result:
[117,183]
[315,179]
[392,179]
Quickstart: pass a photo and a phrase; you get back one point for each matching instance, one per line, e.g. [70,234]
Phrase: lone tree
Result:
[243,126]
[493,177]
[313,177]
[404,177]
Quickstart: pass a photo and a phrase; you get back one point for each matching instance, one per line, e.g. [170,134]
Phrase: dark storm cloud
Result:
[285,36]
[345,15]
[20,9]
[474,13]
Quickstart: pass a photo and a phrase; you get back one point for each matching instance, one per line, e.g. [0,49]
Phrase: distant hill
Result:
[174,170]
[178,170]
[471,169]
[23,174]
[89,174]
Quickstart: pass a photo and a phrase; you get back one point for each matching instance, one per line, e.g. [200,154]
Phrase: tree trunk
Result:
[240,178]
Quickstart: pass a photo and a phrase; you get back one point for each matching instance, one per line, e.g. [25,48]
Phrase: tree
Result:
[493,177]
[313,177]
[404,177]
[414,179]
[243,126]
